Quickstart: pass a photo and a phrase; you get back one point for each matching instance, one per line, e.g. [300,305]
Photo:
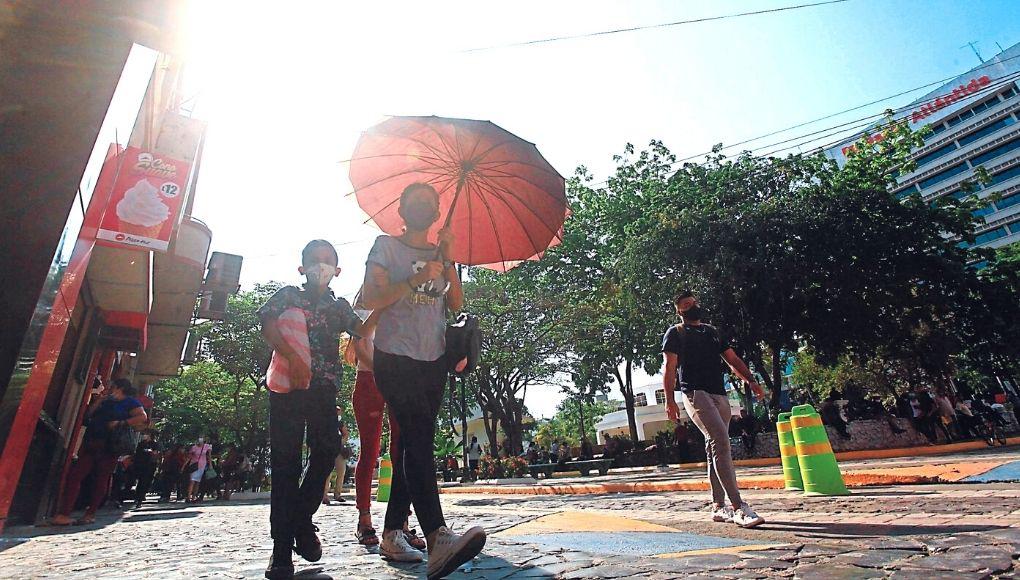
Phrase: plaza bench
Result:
[546,468]
[585,467]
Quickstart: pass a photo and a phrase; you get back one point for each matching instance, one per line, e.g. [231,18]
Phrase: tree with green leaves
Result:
[517,323]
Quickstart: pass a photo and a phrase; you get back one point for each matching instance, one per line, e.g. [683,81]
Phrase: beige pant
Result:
[711,413]
[340,465]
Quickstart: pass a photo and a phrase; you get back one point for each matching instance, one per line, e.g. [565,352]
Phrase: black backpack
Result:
[463,340]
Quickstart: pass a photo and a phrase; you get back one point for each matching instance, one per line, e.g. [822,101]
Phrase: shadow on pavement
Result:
[822,529]
[483,566]
[156,516]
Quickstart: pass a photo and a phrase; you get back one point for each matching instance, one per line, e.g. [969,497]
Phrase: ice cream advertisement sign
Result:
[146,201]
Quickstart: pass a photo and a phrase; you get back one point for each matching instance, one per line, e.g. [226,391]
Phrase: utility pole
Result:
[972,46]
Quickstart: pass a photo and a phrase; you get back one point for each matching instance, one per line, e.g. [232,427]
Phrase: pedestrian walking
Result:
[410,280]
[198,462]
[143,465]
[171,470]
[339,465]
[692,350]
[313,380]
[109,421]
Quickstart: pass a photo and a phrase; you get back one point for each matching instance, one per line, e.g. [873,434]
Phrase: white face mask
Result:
[201,440]
[320,274]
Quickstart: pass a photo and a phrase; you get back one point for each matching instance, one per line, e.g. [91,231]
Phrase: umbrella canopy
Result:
[501,198]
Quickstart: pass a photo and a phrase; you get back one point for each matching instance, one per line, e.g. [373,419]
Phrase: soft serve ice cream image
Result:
[142,212]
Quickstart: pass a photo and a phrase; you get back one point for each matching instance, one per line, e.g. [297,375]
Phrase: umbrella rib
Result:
[492,222]
[450,153]
[501,173]
[425,144]
[491,165]
[520,222]
[428,171]
[382,155]
[505,191]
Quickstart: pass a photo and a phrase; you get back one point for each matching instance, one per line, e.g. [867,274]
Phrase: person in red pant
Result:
[103,417]
[368,406]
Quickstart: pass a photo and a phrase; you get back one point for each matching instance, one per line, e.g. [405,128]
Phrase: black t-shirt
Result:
[698,349]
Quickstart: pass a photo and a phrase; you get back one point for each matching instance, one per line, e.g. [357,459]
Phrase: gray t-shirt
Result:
[414,326]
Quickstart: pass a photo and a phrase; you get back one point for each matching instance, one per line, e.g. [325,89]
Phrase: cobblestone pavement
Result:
[940,531]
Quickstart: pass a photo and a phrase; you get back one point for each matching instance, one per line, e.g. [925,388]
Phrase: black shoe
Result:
[281,567]
[307,544]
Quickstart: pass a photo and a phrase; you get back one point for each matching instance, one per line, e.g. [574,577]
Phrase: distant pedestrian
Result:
[143,465]
[339,465]
[831,414]
[474,453]
[170,473]
[692,351]
[198,461]
[107,420]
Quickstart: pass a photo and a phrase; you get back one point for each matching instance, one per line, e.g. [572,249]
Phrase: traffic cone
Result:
[385,479]
[788,451]
[818,468]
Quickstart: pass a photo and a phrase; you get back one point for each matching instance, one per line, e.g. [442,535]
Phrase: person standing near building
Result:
[692,350]
[415,289]
[474,452]
[144,466]
[309,406]
[105,417]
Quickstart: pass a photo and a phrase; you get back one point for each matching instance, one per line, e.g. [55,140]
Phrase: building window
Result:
[944,175]
[660,397]
[992,154]
[640,400]
[991,235]
[937,128]
[1009,94]
[987,209]
[940,152]
[967,140]
[1011,200]
[1003,176]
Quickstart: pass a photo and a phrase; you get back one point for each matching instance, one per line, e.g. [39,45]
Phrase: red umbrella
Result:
[501,198]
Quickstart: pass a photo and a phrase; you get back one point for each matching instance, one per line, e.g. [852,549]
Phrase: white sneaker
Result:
[447,550]
[723,514]
[746,518]
[394,546]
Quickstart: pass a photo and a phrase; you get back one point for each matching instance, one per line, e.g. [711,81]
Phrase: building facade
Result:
[974,121]
[92,85]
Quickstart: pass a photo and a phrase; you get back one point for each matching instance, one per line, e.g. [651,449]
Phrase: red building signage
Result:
[944,101]
[146,201]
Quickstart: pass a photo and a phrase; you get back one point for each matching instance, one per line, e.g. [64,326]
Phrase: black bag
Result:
[463,340]
[122,440]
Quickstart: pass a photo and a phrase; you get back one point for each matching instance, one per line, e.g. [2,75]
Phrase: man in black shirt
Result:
[692,351]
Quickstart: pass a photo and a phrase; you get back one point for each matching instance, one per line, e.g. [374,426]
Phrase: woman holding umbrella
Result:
[489,199]
[404,279]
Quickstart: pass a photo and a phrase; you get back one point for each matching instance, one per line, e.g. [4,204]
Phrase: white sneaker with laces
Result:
[394,546]
[448,551]
[746,518]
[723,514]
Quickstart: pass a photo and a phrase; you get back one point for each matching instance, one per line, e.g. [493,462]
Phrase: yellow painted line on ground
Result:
[729,550]
[572,521]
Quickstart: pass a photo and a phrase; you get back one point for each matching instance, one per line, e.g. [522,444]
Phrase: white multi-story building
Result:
[649,413]
[974,121]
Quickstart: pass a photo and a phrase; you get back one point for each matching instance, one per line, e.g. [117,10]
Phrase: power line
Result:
[856,123]
[649,27]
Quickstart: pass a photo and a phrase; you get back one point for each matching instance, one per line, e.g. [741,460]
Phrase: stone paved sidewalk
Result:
[959,531]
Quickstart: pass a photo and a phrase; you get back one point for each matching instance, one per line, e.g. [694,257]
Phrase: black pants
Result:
[413,391]
[291,504]
[145,474]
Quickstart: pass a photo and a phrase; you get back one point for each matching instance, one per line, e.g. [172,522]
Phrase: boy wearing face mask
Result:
[311,405]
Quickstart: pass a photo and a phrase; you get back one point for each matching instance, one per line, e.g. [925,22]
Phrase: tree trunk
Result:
[777,376]
[627,390]
[580,416]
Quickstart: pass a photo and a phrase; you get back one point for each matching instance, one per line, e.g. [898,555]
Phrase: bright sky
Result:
[288,89]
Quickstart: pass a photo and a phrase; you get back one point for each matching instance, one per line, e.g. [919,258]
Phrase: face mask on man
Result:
[320,274]
[201,440]
[693,313]
[419,216]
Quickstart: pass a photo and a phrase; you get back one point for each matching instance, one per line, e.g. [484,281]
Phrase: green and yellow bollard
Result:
[385,479]
[788,451]
[818,468]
